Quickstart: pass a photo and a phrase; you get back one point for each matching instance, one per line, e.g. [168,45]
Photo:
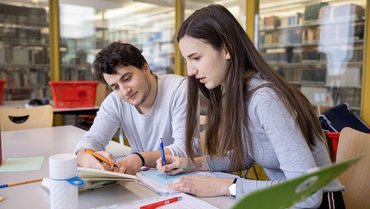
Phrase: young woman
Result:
[253,115]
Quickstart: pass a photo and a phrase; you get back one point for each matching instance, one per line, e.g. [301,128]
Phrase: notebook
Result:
[158,182]
[288,193]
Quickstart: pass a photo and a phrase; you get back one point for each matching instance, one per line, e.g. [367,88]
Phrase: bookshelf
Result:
[24,62]
[24,52]
[154,33]
[318,49]
[157,46]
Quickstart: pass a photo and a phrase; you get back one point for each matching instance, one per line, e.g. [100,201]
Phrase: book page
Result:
[88,174]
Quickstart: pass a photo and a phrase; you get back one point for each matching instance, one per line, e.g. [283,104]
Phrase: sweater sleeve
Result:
[223,163]
[105,125]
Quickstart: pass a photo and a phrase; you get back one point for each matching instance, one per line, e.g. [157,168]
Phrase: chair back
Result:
[26,118]
[322,108]
[339,117]
[356,179]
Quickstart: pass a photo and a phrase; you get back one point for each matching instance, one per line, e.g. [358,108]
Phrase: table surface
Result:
[62,139]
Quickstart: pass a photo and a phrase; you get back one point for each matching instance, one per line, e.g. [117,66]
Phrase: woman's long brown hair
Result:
[227,120]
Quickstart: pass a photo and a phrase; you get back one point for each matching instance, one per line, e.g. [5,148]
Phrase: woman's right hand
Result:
[175,165]
[84,159]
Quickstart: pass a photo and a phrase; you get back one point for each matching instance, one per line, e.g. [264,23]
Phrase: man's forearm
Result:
[151,157]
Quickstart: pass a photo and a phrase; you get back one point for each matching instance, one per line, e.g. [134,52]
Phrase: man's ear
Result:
[146,68]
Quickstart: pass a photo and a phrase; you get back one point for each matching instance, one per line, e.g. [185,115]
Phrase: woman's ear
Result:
[227,54]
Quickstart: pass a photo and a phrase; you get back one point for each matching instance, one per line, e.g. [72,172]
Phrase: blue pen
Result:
[162,154]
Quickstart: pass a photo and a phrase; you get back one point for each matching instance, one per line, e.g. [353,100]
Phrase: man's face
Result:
[131,84]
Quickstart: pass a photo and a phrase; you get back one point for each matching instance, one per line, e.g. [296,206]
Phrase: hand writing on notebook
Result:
[85,159]
[129,165]
[202,186]
[175,165]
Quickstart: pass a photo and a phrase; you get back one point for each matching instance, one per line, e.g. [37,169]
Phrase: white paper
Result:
[187,202]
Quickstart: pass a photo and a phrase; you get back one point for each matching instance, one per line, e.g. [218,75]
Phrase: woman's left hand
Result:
[202,186]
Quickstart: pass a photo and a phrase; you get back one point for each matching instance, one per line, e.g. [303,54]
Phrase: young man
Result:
[147,107]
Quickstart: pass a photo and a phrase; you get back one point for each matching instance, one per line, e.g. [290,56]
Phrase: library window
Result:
[316,46]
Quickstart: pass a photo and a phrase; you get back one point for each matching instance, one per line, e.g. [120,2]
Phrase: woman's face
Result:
[207,64]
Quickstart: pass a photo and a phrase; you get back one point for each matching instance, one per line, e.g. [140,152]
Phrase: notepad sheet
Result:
[187,202]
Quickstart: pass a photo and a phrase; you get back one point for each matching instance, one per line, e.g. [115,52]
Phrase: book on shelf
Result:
[292,20]
[270,22]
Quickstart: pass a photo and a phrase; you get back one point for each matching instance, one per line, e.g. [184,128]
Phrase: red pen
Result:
[161,203]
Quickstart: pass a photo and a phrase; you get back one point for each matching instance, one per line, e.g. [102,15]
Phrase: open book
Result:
[96,178]
[90,174]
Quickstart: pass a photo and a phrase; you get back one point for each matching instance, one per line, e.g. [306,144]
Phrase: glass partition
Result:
[148,26]
[316,46]
[236,7]
[24,61]
[78,41]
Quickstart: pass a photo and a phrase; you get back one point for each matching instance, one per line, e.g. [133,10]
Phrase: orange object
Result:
[20,183]
[2,83]
[100,157]
[73,93]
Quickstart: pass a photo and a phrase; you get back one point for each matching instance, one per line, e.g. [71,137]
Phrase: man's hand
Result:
[84,159]
[130,164]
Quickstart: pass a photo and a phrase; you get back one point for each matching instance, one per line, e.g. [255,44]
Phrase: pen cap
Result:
[62,166]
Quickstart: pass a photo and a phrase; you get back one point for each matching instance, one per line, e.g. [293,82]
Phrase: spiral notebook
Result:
[158,182]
